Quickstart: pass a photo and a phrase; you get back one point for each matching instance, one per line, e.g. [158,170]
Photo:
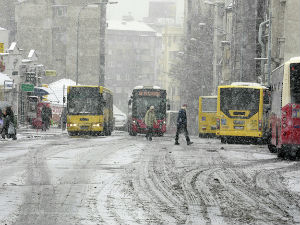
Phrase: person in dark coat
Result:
[1,121]
[9,118]
[46,117]
[182,126]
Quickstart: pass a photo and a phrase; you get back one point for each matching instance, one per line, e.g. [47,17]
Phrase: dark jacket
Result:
[46,113]
[9,117]
[181,119]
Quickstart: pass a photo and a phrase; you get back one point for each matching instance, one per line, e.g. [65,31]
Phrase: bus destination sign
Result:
[149,93]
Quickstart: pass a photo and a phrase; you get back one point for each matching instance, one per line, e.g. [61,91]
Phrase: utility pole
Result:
[102,31]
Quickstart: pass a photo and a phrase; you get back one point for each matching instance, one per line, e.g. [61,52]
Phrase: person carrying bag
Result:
[9,128]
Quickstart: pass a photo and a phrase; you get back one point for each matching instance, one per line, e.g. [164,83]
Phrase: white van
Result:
[171,122]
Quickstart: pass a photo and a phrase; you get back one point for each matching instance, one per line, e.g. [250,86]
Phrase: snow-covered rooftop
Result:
[12,46]
[129,26]
[31,53]
[57,90]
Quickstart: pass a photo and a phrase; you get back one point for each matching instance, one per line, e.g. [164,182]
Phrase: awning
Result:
[41,91]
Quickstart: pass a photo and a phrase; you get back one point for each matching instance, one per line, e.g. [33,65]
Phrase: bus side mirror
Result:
[129,102]
[64,99]
[168,107]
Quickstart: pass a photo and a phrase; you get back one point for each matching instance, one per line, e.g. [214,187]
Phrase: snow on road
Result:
[127,180]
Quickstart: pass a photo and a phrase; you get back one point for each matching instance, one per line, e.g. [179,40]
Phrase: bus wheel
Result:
[223,140]
[272,148]
[281,152]
[71,133]
[105,130]
[131,133]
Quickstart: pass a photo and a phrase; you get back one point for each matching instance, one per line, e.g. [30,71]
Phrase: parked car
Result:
[120,119]
[171,122]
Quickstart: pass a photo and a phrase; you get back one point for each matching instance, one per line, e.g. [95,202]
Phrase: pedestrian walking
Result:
[9,126]
[182,125]
[46,117]
[150,119]
[1,121]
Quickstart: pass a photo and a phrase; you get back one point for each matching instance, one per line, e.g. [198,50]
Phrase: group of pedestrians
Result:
[8,124]
[150,120]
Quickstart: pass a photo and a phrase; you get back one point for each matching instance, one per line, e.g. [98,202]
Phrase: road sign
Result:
[1,47]
[50,73]
[27,87]
[8,84]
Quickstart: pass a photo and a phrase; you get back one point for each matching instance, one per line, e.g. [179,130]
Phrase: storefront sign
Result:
[1,47]
[50,73]
[27,87]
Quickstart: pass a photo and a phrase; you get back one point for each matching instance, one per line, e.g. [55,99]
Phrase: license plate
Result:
[84,127]
[239,122]
[239,128]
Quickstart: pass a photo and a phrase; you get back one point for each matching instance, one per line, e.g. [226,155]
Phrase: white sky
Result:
[138,8]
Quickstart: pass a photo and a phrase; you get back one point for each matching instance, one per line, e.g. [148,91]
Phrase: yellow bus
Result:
[89,110]
[207,115]
[243,113]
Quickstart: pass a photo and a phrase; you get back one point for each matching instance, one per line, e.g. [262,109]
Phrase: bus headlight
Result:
[72,125]
[97,125]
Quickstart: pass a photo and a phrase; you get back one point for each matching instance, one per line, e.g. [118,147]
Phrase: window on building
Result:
[60,10]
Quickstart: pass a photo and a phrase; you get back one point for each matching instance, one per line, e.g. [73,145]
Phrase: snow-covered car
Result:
[120,121]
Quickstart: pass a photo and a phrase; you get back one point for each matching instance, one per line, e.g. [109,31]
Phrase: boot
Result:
[177,143]
[189,142]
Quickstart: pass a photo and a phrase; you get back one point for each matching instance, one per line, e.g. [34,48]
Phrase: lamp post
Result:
[215,44]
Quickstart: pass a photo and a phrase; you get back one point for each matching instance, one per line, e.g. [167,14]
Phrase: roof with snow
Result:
[117,110]
[57,90]
[129,26]
[12,46]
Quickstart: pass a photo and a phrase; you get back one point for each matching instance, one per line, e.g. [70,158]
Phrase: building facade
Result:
[285,30]
[172,37]
[132,58]
[52,28]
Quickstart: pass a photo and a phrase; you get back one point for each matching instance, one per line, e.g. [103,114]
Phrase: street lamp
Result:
[215,43]
[101,39]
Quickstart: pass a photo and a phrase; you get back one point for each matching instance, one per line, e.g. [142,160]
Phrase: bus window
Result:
[209,104]
[266,97]
[295,82]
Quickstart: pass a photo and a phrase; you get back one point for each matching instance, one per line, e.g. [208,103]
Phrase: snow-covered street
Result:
[57,179]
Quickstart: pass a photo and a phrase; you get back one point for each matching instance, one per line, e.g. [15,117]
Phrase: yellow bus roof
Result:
[243,86]
[209,96]
[101,87]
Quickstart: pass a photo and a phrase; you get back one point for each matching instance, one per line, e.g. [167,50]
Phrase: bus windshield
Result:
[209,104]
[239,99]
[295,82]
[84,100]
[142,104]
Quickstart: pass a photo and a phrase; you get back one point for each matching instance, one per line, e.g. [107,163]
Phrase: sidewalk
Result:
[29,133]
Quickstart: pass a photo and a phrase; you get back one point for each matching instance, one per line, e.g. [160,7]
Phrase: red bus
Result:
[142,98]
[285,109]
